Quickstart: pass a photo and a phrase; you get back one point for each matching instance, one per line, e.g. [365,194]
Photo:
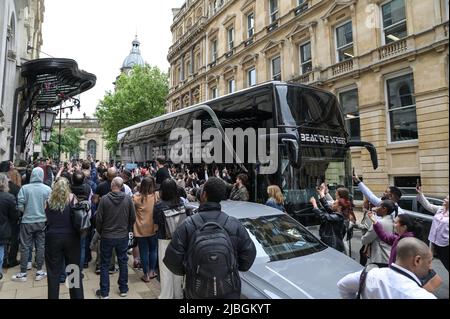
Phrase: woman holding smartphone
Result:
[438,236]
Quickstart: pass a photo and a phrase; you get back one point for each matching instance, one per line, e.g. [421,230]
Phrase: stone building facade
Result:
[20,41]
[92,141]
[387,61]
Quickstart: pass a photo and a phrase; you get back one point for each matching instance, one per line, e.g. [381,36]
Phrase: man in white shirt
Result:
[393,193]
[399,281]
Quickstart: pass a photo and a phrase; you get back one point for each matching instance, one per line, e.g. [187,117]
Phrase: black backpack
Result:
[79,215]
[211,266]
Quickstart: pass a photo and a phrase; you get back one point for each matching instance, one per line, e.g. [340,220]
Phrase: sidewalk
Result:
[38,289]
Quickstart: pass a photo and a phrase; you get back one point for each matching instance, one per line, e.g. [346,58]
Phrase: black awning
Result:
[51,81]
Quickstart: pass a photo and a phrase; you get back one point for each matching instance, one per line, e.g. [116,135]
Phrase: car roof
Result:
[242,210]
[427,197]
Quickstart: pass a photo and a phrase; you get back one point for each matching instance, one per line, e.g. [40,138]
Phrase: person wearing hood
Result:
[31,201]
[115,219]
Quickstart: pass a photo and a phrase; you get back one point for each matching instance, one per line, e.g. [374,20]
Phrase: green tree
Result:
[138,97]
[70,142]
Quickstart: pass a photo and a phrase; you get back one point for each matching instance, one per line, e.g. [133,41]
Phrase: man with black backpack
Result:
[210,248]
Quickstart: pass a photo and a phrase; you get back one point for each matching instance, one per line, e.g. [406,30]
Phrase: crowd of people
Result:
[35,216]
[36,204]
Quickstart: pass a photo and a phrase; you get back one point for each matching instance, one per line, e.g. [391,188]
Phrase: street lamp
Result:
[45,136]
[47,118]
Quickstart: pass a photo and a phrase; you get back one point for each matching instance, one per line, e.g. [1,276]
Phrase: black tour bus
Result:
[313,144]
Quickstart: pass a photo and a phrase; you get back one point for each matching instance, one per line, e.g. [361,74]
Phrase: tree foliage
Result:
[139,96]
[70,142]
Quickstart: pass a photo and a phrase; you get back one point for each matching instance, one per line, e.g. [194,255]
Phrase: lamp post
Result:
[45,136]
[47,118]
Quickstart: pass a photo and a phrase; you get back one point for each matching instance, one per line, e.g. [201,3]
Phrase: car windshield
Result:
[280,237]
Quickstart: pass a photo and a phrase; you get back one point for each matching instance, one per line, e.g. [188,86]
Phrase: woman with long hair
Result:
[276,198]
[438,236]
[404,226]
[170,283]
[145,229]
[62,244]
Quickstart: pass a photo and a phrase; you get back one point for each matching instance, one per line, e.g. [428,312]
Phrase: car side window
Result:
[406,204]
[422,210]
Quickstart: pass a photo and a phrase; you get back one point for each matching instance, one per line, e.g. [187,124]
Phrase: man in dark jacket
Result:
[214,190]
[163,173]
[8,216]
[115,218]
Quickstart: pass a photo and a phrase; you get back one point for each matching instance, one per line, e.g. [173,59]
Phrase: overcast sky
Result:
[98,35]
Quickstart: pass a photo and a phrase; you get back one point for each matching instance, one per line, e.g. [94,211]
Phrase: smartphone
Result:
[418,184]
[353,171]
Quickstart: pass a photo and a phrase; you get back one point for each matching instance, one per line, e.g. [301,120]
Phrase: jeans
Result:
[82,252]
[106,248]
[28,234]
[148,251]
[61,250]
[2,252]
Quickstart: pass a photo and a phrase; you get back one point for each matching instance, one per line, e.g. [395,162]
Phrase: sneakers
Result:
[29,265]
[98,294]
[97,270]
[123,294]
[20,277]
[40,274]
[113,270]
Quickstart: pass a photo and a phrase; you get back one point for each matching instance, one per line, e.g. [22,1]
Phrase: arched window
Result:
[92,148]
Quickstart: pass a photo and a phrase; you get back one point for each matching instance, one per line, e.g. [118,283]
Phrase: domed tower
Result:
[134,58]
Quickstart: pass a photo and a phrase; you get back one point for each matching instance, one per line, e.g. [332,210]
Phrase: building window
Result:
[230,36]
[273,10]
[394,20]
[344,42]
[250,25]
[446,9]
[349,103]
[92,148]
[402,108]
[214,51]
[251,76]
[231,86]
[214,93]
[276,69]
[217,4]
[407,184]
[305,58]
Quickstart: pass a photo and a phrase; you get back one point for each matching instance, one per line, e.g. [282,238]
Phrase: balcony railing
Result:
[304,78]
[342,67]
[392,49]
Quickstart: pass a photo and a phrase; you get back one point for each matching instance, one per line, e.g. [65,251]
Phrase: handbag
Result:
[79,215]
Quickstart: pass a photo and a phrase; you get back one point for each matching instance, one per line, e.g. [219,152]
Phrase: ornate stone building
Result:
[92,141]
[387,61]
[20,41]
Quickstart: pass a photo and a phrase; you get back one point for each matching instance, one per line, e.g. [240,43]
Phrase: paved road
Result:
[38,289]
[441,293]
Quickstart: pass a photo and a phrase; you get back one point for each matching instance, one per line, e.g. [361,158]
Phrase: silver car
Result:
[290,262]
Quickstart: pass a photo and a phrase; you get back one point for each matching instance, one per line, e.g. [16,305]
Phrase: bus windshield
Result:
[304,106]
